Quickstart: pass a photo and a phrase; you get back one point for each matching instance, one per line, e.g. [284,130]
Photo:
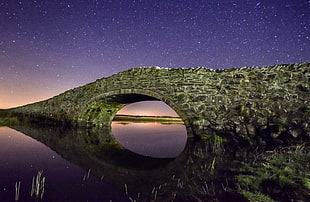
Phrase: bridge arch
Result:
[239,101]
[101,109]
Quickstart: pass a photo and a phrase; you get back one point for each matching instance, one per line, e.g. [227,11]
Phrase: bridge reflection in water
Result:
[151,139]
[96,151]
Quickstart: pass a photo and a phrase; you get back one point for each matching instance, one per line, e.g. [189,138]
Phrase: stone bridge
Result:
[272,100]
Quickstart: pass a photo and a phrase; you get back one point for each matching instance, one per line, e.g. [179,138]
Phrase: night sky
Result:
[50,46]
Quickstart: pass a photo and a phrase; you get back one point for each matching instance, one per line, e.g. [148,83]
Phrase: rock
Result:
[295,132]
[251,130]
[275,135]
[241,129]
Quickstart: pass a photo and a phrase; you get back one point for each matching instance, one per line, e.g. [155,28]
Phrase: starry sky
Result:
[50,46]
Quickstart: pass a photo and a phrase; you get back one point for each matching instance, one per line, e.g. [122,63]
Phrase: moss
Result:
[256,197]
[100,112]
[5,121]
[199,118]
[305,109]
[286,181]
[306,182]
[280,128]
[214,138]
[248,182]
[205,136]
[288,170]
[242,109]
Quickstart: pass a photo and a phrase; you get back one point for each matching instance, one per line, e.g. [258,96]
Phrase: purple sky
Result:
[50,46]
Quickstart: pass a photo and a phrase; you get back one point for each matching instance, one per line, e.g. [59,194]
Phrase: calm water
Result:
[84,165]
[127,162]
[21,157]
[151,139]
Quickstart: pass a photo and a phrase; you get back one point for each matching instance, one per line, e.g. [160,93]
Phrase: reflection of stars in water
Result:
[82,41]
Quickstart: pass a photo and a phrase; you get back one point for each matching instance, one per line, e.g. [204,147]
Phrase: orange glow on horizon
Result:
[11,100]
[16,101]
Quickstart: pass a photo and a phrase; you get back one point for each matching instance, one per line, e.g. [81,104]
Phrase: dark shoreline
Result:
[160,119]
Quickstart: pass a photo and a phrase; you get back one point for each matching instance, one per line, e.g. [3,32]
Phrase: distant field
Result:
[161,119]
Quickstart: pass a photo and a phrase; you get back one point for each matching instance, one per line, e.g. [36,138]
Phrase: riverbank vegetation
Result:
[145,119]
[282,174]
[213,173]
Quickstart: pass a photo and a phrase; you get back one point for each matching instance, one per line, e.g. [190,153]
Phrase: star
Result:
[105,37]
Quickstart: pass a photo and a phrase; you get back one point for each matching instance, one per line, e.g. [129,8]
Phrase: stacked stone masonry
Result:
[246,101]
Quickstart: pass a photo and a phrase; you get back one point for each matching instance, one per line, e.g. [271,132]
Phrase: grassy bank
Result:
[282,175]
[143,119]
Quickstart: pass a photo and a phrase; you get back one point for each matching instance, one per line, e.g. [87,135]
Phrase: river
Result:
[129,162]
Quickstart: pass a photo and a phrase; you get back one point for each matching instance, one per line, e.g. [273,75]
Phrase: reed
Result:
[126,189]
[17,188]
[86,176]
[212,165]
[38,182]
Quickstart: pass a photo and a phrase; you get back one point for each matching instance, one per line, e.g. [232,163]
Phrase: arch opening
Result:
[100,110]
[150,128]
[148,108]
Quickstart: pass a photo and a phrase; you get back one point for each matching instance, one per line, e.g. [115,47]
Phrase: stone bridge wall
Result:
[247,101]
